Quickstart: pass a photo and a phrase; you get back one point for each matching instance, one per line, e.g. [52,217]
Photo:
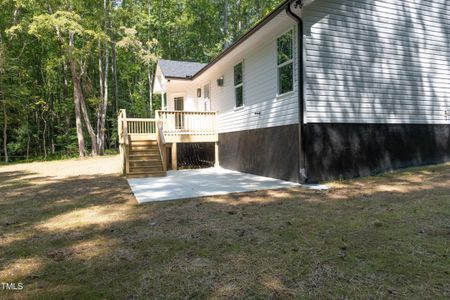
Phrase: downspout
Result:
[301,97]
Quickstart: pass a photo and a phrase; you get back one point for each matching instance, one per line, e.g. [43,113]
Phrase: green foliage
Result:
[36,88]
[63,21]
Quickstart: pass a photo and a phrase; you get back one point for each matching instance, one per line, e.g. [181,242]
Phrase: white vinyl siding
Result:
[263,108]
[187,90]
[384,61]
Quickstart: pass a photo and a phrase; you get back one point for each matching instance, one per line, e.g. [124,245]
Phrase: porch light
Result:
[199,93]
[220,81]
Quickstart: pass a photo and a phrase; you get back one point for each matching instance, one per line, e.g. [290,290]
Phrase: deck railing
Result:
[187,122]
[141,126]
[169,127]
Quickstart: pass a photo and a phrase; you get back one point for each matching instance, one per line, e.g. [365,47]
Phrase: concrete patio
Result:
[199,183]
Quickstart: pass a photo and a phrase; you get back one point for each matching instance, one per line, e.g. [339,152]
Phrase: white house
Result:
[368,91]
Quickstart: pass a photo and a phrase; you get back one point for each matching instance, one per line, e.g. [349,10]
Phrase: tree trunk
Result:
[77,97]
[105,102]
[80,106]
[239,22]
[5,121]
[89,127]
[51,128]
[5,131]
[225,24]
[114,70]
[44,139]
[116,83]
[150,88]
[28,143]
[102,96]
[149,71]
[65,95]
[37,120]
[103,73]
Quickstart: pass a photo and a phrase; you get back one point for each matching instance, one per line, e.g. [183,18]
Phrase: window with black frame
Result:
[285,63]
[239,85]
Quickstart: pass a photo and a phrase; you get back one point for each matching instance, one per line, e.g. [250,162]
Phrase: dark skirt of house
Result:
[334,151]
[350,150]
[271,152]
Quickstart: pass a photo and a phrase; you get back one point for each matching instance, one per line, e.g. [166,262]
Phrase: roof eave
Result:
[178,78]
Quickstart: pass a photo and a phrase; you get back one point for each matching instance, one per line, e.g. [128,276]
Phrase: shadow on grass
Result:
[86,237]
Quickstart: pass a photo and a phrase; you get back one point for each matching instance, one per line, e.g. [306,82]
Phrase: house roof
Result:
[177,74]
[179,69]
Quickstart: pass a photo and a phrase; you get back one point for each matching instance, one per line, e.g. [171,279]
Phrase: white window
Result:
[179,106]
[239,84]
[179,103]
[285,63]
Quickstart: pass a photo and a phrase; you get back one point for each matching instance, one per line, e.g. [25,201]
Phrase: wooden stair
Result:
[144,159]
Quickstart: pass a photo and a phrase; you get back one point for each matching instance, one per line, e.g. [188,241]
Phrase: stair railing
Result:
[161,143]
[167,124]
[128,127]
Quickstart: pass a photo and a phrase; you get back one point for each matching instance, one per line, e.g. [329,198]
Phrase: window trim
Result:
[179,99]
[172,99]
[290,61]
[235,86]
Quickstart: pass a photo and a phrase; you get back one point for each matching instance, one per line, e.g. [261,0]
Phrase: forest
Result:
[68,66]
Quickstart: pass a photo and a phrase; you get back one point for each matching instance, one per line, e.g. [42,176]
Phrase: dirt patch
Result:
[108,165]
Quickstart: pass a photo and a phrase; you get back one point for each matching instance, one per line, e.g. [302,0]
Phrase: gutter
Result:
[301,94]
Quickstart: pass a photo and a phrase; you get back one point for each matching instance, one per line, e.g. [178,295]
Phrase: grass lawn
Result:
[72,229]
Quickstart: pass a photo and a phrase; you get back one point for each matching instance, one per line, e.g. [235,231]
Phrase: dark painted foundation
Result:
[351,150]
[271,152]
[334,151]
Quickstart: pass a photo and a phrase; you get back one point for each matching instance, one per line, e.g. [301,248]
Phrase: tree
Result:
[64,26]
[103,76]
[3,101]
[67,66]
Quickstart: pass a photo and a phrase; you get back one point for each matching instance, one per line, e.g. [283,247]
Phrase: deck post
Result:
[174,156]
[164,157]
[216,154]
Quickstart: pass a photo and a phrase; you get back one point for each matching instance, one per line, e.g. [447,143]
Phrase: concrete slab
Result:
[316,187]
[199,183]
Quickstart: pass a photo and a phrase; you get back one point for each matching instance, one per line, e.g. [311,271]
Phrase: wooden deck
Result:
[144,143]
[188,127]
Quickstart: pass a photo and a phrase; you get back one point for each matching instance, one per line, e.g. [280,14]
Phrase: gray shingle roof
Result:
[179,69]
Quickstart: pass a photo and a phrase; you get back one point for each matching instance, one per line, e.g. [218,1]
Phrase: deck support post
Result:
[164,157]
[174,156]
[216,154]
